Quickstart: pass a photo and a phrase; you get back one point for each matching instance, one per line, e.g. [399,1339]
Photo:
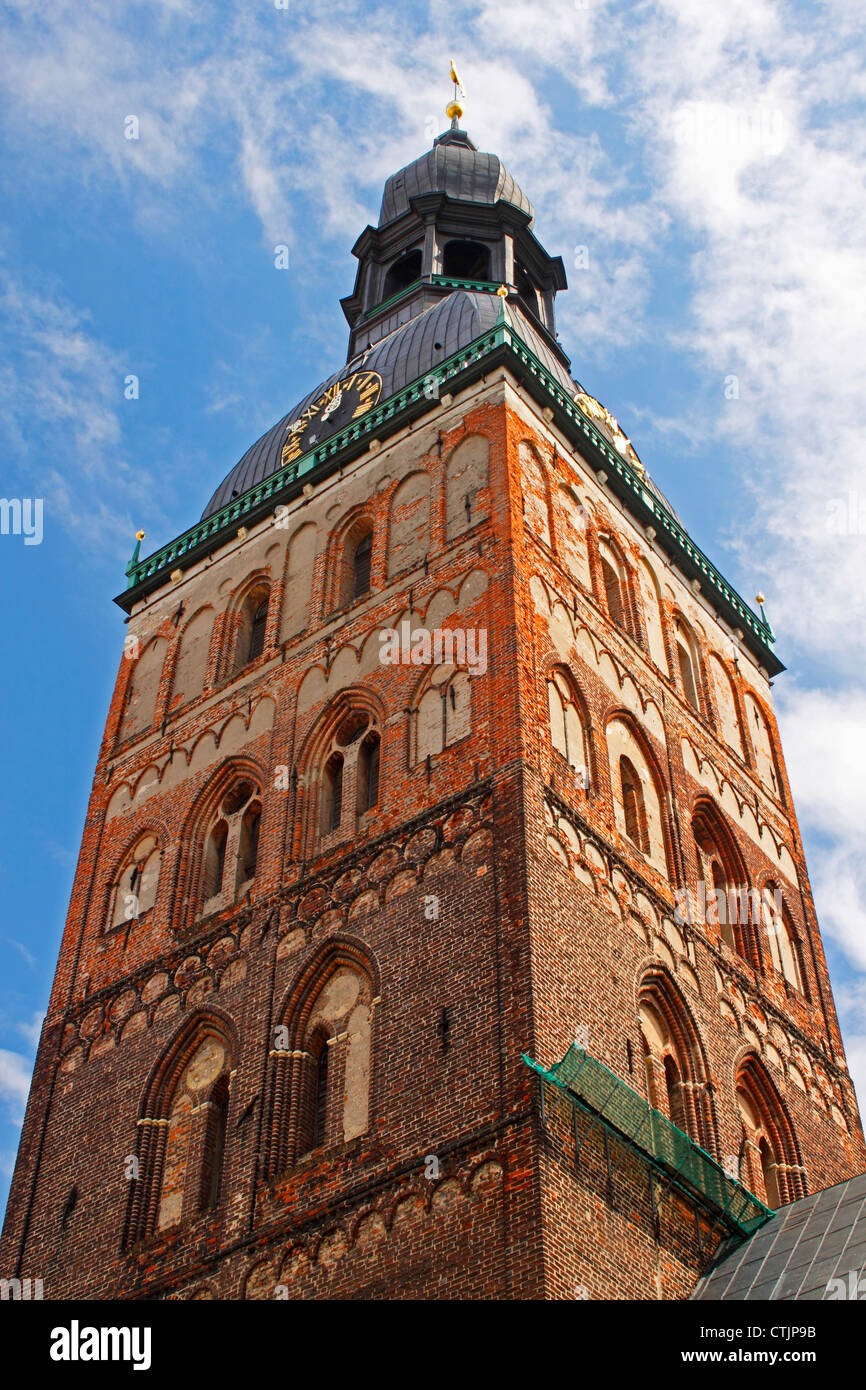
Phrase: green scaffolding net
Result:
[605,1098]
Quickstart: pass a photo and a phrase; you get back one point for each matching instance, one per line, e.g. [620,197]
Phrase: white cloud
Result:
[15,1073]
[61,398]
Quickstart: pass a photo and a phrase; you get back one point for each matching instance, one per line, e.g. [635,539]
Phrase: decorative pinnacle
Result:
[760,600]
[139,537]
[454,109]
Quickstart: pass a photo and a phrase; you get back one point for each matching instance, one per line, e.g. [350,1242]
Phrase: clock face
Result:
[342,402]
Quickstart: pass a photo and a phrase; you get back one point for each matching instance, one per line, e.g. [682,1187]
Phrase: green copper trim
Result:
[445,282]
[500,343]
[448,282]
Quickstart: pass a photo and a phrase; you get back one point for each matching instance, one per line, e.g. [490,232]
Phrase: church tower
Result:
[441,926]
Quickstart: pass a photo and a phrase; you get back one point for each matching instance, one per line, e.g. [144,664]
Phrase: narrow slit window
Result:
[361,566]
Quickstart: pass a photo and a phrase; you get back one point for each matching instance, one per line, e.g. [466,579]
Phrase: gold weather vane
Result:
[454,109]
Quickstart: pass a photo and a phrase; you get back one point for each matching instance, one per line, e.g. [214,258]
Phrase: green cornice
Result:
[499,345]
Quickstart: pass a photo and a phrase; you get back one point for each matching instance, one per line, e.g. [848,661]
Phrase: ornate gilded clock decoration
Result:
[623,445]
[342,402]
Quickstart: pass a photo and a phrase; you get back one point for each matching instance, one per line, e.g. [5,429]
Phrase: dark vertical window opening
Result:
[214,1146]
[466,260]
[613,591]
[333,809]
[368,786]
[687,675]
[633,805]
[402,273]
[320,1100]
[257,630]
[361,566]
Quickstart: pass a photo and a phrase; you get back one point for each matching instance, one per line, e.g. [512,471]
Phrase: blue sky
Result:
[712,160]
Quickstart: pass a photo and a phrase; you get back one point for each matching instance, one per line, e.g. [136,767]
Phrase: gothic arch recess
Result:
[321,1060]
[182,1130]
[353,715]
[676,1068]
[770,1162]
[195,863]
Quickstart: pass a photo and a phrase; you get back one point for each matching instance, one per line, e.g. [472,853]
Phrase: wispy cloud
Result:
[15,1073]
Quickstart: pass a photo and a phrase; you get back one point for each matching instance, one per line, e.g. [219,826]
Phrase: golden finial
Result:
[454,109]
[759,598]
[502,291]
[139,535]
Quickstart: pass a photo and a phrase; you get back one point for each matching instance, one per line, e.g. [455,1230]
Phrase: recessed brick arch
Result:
[321,1059]
[770,1159]
[190,866]
[179,1145]
[670,1033]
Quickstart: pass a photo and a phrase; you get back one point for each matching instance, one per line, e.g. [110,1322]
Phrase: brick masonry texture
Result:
[491,900]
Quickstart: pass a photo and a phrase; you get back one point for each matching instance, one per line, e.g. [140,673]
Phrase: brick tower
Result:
[441,926]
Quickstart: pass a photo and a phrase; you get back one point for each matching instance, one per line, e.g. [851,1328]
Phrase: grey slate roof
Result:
[798,1252]
[405,355]
[456,169]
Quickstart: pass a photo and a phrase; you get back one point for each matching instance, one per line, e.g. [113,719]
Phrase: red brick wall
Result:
[523,950]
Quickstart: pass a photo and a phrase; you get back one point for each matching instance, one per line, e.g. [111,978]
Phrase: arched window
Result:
[402,273]
[134,892]
[638,793]
[368,773]
[253,624]
[182,1134]
[321,1068]
[769,1172]
[781,941]
[215,860]
[213,1143]
[723,887]
[615,581]
[725,902]
[258,624]
[674,1089]
[248,845]
[361,562]
[345,761]
[634,808]
[771,1165]
[444,712]
[677,1077]
[332,798]
[566,726]
[313,1104]
[526,291]
[687,661]
[466,260]
[231,846]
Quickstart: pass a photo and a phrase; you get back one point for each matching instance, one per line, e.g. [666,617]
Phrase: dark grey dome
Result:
[454,167]
[407,354]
